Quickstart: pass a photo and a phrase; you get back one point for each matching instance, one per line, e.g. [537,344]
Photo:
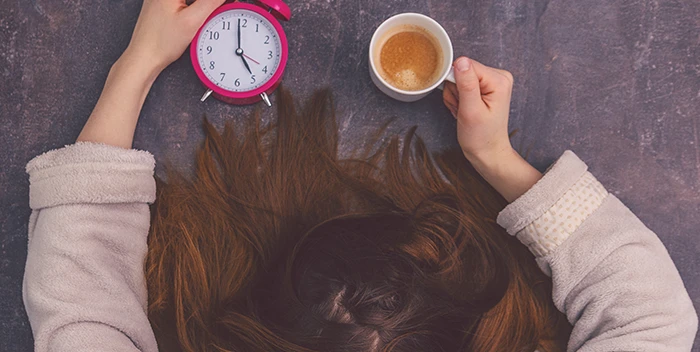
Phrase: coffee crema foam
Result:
[409,58]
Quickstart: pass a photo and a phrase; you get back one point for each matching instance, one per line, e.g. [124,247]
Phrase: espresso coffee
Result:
[410,58]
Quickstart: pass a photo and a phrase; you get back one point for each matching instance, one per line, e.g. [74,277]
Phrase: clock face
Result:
[239,65]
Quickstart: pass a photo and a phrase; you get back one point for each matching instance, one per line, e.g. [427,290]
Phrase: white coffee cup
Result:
[434,28]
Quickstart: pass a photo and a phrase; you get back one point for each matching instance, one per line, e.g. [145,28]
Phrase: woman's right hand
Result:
[166,27]
[480,101]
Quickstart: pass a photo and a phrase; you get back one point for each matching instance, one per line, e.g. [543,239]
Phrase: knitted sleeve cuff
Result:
[547,214]
[91,173]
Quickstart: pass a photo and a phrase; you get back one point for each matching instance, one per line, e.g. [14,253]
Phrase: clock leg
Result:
[206,95]
[265,98]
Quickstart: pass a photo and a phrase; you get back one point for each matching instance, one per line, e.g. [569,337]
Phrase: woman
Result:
[274,244]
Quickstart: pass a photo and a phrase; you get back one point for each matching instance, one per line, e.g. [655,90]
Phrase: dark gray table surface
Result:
[617,81]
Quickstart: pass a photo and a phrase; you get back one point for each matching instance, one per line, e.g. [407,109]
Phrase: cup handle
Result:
[450,77]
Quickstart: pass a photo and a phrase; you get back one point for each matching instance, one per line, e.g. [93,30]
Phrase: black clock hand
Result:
[239,51]
[246,64]
[239,33]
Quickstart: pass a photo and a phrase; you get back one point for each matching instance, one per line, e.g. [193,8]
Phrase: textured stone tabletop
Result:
[617,81]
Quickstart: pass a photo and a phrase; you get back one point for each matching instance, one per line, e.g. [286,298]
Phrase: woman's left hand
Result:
[166,27]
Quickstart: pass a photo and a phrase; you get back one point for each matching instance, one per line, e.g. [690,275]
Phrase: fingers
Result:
[201,9]
[449,97]
[492,80]
[481,86]
[468,86]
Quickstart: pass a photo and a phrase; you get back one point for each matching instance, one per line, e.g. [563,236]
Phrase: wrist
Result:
[507,172]
[492,158]
[139,66]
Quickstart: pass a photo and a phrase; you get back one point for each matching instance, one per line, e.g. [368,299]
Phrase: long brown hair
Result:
[277,244]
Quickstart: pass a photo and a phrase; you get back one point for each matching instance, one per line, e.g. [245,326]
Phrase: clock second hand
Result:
[250,58]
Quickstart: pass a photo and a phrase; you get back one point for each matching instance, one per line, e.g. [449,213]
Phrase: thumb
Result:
[201,9]
[467,86]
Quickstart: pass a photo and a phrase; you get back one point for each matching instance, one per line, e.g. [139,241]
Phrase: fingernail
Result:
[462,64]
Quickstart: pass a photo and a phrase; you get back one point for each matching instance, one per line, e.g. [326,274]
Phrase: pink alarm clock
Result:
[240,52]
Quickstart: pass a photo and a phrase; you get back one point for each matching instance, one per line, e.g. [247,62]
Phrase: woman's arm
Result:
[612,277]
[113,121]
[162,33]
[481,105]
[84,287]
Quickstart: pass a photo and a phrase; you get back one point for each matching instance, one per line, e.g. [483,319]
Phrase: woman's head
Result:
[366,282]
[276,244]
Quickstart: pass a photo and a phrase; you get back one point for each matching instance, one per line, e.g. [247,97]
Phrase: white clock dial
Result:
[223,61]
